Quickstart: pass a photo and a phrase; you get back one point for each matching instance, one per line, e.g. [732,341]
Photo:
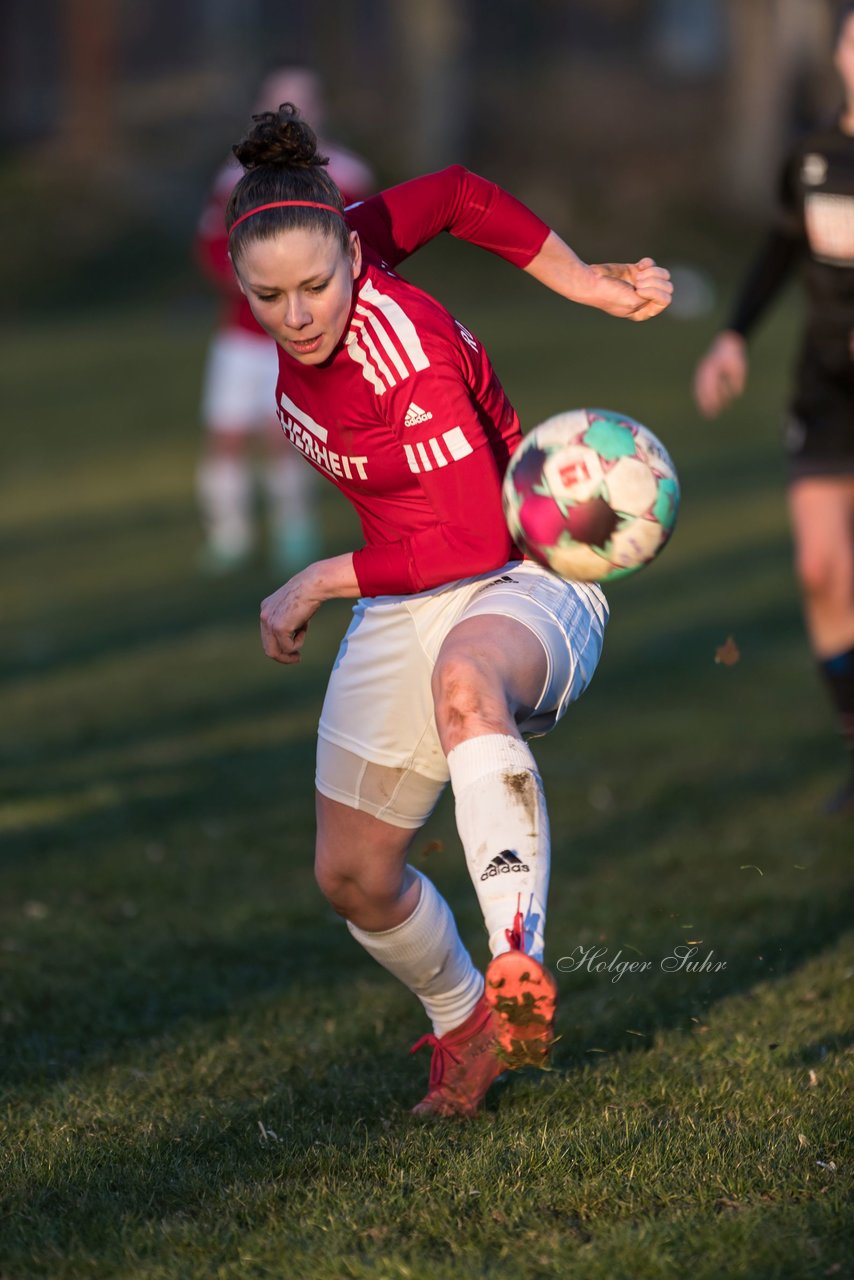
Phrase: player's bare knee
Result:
[351,891]
[815,573]
[336,887]
[344,894]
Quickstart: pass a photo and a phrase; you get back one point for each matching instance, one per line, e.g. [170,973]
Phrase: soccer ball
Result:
[591,494]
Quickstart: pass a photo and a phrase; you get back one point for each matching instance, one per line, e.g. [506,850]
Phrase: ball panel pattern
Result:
[591,494]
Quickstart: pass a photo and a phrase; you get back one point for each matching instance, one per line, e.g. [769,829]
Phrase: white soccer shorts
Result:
[239,388]
[378,709]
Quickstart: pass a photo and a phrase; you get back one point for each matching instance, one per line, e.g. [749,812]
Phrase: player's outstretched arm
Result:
[721,375]
[630,290]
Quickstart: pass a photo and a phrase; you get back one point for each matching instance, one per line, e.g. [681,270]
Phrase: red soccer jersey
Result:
[407,417]
[350,174]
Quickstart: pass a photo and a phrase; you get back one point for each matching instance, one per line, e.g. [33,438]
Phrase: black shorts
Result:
[819,430]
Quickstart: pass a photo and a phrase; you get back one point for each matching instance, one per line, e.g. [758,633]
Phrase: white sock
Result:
[504,829]
[295,531]
[290,487]
[224,488]
[427,954]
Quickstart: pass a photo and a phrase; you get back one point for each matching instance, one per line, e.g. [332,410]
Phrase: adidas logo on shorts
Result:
[503,863]
[415,416]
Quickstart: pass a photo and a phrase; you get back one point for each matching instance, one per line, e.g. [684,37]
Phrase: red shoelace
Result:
[442,1051]
[516,935]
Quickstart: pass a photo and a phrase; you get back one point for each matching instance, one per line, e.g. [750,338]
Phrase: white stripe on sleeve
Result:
[456,443]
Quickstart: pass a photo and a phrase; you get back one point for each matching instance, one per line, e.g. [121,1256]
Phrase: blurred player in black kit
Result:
[814,229]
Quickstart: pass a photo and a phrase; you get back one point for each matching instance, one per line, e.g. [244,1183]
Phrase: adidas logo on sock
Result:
[503,863]
[416,415]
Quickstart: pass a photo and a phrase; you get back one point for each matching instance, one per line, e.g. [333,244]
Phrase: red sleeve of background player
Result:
[400,220]
[458,474]
[211,246]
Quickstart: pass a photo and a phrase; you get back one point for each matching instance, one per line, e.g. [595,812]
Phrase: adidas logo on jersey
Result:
[503,863]
[416,415]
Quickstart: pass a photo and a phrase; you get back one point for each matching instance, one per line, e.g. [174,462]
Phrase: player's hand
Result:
[631,290]
[285,616]
[721,375]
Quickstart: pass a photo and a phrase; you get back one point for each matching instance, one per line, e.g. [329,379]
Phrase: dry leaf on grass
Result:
[728,653]
[435,846]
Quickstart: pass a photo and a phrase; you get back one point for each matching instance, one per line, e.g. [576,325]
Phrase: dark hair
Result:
[281,161]
[844,11]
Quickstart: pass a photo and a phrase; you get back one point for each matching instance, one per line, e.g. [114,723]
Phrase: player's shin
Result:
[224,489]
[295,534]
[427,955]
[504,829]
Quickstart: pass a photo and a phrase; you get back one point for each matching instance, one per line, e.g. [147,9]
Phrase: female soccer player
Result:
[814,227]
[457,646]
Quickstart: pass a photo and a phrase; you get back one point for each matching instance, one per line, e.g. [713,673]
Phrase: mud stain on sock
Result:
[523,789]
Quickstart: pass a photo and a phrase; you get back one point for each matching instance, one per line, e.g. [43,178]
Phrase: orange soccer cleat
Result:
[523,996]
[465,1063]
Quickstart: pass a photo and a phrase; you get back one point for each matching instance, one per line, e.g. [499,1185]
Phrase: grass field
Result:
[202,1075]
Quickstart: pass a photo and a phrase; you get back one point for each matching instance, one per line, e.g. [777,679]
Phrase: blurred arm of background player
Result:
[721,375]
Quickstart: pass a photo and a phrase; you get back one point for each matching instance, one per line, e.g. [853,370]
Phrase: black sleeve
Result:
[773,265]
[766,276]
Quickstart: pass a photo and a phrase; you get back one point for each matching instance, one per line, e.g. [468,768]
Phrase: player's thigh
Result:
[378,750]
[239,386]
[822,515]
[489,666]
[226,444]
[399,797]
[565,619]
[356,848]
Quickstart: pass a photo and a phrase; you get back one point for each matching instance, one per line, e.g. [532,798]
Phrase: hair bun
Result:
[279,138]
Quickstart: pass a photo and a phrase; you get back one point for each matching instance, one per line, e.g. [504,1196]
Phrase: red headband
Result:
[281,204]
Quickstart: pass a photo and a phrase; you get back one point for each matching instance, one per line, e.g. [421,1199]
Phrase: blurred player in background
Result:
[456,647]
[240,377]
[814,229]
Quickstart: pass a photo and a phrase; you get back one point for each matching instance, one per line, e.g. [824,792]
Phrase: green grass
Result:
[202,1074]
